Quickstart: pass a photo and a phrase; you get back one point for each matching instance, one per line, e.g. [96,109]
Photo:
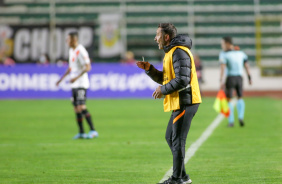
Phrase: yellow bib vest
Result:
[171,101]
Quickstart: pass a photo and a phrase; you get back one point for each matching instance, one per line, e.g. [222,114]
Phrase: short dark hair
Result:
[227,39]
[168,28]
[73,33]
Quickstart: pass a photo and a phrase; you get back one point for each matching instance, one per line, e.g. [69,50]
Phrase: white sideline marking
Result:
[198,143]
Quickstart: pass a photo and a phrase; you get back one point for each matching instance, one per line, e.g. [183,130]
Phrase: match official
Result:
[232,64]
[180,88]
[79,65]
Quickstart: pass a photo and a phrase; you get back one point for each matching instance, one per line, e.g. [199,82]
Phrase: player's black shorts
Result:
[78,96]
[234,82]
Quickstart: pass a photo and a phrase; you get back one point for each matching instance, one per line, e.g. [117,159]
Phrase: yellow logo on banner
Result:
[110,39]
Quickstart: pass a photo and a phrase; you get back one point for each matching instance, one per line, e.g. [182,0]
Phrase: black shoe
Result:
[241,123]
[171,180]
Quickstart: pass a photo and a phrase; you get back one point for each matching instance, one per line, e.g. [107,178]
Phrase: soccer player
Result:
[180,88]
[232,63]
[79,65]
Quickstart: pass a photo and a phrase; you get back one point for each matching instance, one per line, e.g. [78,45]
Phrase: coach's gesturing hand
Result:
[157,93]
[143,65]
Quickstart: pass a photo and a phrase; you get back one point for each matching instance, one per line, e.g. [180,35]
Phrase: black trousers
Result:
[176,134]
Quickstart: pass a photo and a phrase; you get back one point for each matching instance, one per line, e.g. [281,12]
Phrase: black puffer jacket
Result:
[182,69]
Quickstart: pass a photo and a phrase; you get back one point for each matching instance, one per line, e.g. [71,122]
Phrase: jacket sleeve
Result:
[155,74]
[182,69]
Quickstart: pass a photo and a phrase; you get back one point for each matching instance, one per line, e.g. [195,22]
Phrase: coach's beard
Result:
[162,43]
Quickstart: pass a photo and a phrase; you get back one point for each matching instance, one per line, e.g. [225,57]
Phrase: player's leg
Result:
[92,133]
[79,118]
[88,117]
[240,102]
[229,93]
[81,101]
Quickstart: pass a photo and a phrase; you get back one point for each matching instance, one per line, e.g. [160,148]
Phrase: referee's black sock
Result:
[88,119]
[79,119]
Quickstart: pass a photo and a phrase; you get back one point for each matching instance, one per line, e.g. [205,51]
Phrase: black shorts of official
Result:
[234,82]
[78,96]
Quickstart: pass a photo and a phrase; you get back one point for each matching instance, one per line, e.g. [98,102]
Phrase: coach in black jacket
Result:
[180,87]
[182,68]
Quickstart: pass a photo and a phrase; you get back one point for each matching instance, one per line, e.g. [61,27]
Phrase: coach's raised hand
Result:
[143,65]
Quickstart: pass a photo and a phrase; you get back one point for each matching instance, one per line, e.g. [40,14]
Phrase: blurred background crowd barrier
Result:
[106,81]
[34,31]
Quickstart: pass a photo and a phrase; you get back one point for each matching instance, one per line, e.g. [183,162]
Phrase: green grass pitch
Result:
[36,144]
